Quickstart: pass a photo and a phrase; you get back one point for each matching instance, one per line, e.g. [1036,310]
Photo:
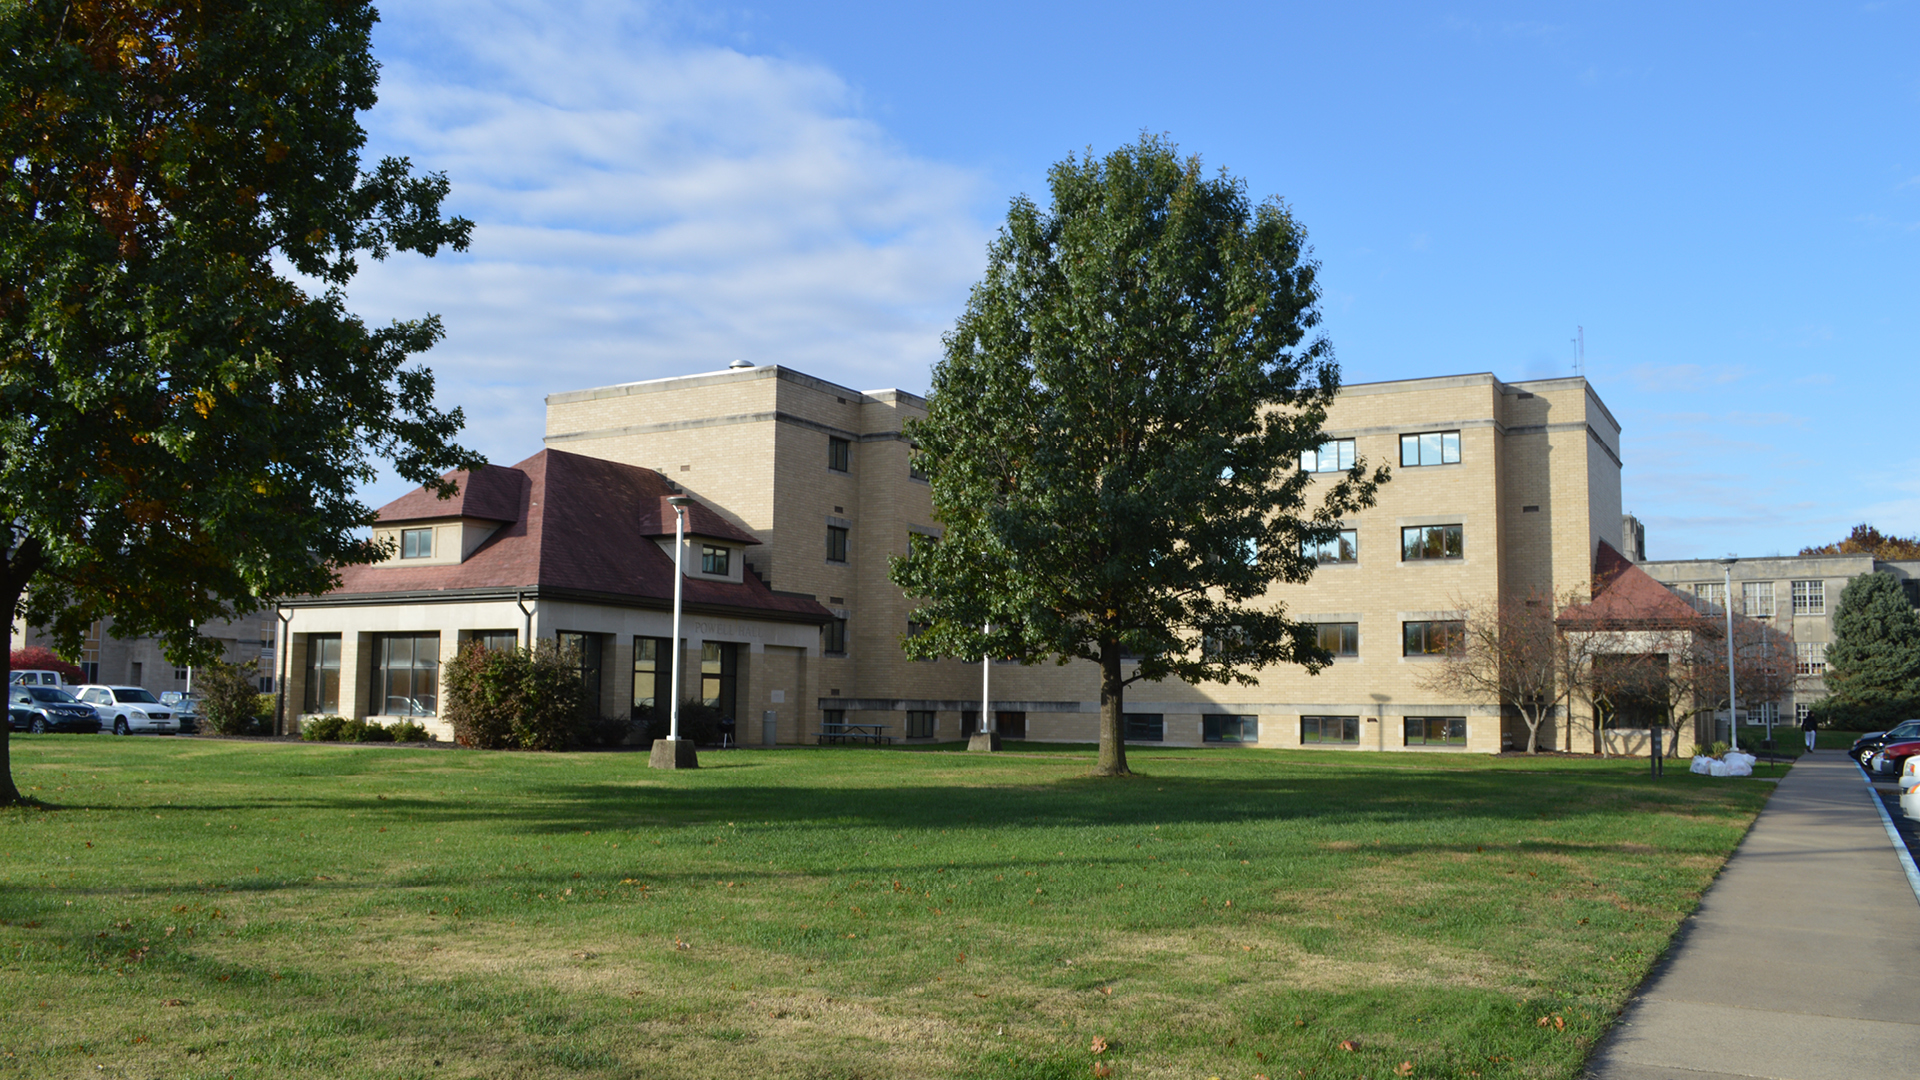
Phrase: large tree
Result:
[1511,651]
[1873,662]
[186,406]
[1864,539]
[1115,432]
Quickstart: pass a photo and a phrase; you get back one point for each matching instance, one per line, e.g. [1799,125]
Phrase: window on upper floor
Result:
[1433,637]
[416,543]
[1339,638]
[833,638]
[1809,598]
[1344,548]
[1432,542]
[715,558]
[1335,456]
[1756,598]
[1430,448]
[839,454]
[836,544]
[1809,657]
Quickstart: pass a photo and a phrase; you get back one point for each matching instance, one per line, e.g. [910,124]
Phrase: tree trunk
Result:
[1532,720]
[1113,719]
[9,794]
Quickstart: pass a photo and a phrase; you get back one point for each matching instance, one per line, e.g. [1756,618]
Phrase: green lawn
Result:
[203,908]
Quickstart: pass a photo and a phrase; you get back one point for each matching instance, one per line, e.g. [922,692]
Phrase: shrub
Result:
[699,723]
[599,730]
[229,702]
[408,731]
[41,658]
[364,731]
[323,729]
[525,698]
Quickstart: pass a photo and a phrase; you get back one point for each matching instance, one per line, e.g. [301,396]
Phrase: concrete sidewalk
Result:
[1803,962]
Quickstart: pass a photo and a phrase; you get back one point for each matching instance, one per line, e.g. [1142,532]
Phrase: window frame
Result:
[1750,592]
[1447,737]
[590,663]
[1809,659]
[1342,549]
[1314,460]
[922,723]
[658,671]
[1245,728]
[716,555]
[1143,727]
[1809,597]
[1450,643]
[839,454]
[411,543]
[1345,632]
[321,695]
[1445,441]
[384,673]
[833,632]
[1455,532]
[1319,726]
[839,537]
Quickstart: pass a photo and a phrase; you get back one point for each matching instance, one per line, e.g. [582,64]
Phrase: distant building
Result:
[138,661]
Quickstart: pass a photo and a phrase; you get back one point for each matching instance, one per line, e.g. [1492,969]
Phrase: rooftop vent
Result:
[741,364]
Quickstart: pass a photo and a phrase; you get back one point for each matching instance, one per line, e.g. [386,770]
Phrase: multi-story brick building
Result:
[1500,490]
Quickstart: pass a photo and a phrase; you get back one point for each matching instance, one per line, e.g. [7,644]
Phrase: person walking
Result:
[1807,725]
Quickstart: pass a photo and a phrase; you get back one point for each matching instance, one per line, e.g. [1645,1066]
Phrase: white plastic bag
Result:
[1739,765]
[1717,768]
[1702,764]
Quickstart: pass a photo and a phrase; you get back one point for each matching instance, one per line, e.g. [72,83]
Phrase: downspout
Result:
[280,679]
[520,601]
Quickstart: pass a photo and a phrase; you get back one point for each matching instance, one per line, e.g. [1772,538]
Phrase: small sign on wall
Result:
[779,697]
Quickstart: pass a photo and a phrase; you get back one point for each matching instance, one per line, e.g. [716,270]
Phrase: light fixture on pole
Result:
[986,737]
[673,752]
[1726,601]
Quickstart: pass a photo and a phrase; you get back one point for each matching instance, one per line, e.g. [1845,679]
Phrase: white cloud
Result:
[1684,378]
[648,207]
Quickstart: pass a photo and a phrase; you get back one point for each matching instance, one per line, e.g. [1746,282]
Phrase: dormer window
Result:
[714,559]
[416,543]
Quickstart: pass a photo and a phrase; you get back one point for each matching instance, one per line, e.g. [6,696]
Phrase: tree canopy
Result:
[1115,430]
[1864,539]
[186,406]
[1873,662]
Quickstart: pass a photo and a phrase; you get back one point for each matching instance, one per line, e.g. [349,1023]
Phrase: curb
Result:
[1899,845]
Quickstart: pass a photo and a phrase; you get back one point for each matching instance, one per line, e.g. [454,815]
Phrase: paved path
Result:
[1803,962]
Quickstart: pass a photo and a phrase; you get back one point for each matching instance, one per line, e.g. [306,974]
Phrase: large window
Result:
[1436,731]
[836,544]
[1344,548]
[1809,598]
[416,543]
[920,724]
[839,454]
[323,674]
[1335,456]
[1329,729]
[1756,598]
[833,638]
[1432,542]
[1712,593]
[1339,638]
[496,640]
[652,673]
[715,558]
[588,655]
[1810,657]
[406,681]
[1230,729]
[1437,637]
[1430,448]
[1146,727]
[719,666]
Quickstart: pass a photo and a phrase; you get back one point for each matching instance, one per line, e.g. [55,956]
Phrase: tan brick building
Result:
[1499,490]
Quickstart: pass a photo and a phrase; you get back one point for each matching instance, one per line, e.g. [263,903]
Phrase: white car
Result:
[126,709]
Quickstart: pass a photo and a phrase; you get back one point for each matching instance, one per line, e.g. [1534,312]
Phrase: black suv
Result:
[49,708]
[1869,744]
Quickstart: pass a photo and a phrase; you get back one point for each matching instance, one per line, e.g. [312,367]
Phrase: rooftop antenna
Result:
[1580,351]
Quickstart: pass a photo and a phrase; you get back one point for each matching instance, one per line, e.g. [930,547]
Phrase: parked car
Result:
[34,677]
[1870,743]
[126,709]
[48,708]
[185,710]
[1892,758]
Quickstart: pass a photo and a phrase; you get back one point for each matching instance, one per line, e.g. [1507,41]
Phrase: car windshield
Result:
[51,693]
[133,695]
[1905,729]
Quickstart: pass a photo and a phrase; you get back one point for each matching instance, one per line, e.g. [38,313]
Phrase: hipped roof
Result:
[572,525]
[1626,597]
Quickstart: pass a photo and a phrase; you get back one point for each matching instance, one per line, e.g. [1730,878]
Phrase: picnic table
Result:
[875,734]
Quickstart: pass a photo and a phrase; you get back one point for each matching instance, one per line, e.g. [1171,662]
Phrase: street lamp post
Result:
[674,752]
[983,738]
[1726,601]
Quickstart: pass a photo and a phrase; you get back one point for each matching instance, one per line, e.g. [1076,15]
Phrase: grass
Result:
[203,908]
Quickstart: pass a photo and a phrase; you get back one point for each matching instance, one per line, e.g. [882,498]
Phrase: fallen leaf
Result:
[583,954]
[1099,1045]
[1348,1045]
[1107,990]
[170,1002]
[1405,1069]
[1102,1069]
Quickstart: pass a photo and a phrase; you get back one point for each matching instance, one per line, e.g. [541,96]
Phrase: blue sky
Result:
[1726,197]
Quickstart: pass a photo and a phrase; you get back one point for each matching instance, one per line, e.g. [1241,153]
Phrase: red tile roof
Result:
[577,526]
[1627,597]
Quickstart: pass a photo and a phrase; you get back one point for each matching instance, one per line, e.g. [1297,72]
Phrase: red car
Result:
[1892,757]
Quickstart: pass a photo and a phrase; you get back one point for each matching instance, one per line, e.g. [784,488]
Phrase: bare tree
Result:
[1512,652]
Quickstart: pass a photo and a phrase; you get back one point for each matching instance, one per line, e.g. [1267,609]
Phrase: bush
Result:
[599,730]
[525,698]
[323,729]
[408,731]
[229,701]
[364,731]
[41,658]
[699,723]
